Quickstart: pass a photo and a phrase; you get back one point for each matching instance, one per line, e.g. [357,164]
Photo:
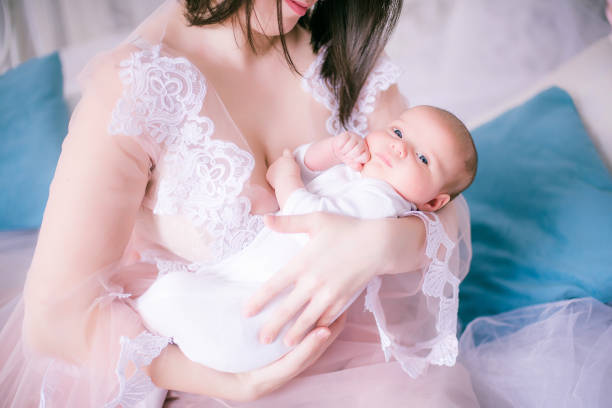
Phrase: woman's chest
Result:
[210,180]
[271,106]
[272,110]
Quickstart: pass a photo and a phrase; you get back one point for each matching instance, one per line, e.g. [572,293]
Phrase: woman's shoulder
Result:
[149,87]
[136,59]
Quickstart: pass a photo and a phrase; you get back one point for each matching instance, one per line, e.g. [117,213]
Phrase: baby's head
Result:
[427,155]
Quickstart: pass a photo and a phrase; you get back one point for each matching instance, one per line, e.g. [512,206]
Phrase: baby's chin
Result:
[370,172]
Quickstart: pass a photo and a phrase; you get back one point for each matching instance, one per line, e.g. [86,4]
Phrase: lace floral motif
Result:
[163,99]
[140,351]
[384,74]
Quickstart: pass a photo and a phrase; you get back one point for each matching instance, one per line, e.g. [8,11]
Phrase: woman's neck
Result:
[228,41]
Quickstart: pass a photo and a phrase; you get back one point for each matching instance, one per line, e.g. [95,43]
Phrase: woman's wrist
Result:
[403,244]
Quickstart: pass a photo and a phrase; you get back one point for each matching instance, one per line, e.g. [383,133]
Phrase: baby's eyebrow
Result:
[397,123]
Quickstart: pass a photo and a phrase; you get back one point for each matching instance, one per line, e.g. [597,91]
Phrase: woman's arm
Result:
[327,279]
[413,263]
[75,307]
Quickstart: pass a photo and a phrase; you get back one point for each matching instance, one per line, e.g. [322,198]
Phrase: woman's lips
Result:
[383,159]
[299,8]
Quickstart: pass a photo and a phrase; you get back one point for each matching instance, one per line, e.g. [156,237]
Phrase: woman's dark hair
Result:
[354,33]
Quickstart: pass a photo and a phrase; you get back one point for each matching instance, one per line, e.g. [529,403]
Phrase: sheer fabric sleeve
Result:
[84,344]
[416,311]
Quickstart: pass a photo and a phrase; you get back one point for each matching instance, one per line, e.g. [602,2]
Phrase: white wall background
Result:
[39,27]
[464,55]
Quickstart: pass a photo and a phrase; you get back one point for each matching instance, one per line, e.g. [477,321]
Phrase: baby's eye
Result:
[398,133]
[422,158]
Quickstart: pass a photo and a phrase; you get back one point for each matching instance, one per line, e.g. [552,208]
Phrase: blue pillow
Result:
[541,211]
[33,123]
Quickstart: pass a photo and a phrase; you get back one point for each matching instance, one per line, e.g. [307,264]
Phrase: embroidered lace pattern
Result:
[163,99]
[384,74]
[140,351]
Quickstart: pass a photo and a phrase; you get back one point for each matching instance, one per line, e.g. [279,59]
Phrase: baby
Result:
[421,161]
[426,156]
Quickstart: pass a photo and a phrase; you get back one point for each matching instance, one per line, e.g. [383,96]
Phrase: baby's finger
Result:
[356,151]
[348,146]
[363,158]
[356,166]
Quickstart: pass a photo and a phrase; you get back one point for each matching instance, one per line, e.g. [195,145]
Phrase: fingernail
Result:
[289,342]
[266,339]
[323,334]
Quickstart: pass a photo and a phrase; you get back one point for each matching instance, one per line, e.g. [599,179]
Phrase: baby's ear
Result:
[435,203]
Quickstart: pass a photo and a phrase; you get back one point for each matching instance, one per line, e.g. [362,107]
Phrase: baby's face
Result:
[418,155]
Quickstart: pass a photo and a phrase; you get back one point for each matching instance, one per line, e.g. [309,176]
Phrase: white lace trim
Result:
[384,74]
[140,351]
[163,99]
[438,276]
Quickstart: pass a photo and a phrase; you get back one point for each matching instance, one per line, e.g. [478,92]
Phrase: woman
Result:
[164,168]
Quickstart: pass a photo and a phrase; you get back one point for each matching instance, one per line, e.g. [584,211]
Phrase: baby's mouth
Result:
[384,159]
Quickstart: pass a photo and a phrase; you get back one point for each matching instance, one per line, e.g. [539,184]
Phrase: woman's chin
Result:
[271,29]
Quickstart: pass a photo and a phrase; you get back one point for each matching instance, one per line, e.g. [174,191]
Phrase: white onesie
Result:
[202,311]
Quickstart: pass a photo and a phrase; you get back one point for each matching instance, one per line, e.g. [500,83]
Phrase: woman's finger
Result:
[273,376]
[269,290]
[285,312]
[306,321]
[297,360]
[327,316]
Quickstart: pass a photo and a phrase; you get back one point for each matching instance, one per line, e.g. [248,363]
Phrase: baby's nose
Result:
[399,148]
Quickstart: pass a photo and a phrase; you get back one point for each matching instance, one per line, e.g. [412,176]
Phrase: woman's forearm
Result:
[404,240]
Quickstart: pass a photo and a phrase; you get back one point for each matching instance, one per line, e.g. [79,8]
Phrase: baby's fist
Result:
[284,167]
[351,150]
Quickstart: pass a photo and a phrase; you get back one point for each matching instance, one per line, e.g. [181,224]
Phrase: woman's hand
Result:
[343,254]
[257,383]
[174,371]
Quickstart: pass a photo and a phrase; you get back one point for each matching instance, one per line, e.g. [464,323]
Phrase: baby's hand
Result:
[283,168]
[351,150]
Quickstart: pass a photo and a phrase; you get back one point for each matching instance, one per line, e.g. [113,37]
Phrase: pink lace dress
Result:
[154,178]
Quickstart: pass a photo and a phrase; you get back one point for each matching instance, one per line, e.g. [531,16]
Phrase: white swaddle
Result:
[201,308]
